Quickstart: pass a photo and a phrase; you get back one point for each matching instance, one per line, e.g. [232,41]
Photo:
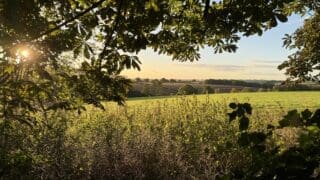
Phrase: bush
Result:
[147,89]
[138,79]
[164,80]
[135,93]
[181,138]
[270,159]
[296,87]
[207,90]
[234,90]
[187,90]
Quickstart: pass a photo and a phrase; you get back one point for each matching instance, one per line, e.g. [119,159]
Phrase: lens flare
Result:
[25,53]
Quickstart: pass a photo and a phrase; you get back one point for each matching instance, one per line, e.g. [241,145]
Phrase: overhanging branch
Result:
[94,5]
[109,37]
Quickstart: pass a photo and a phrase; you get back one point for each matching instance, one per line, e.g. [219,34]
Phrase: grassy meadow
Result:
[265,100]
[186,137]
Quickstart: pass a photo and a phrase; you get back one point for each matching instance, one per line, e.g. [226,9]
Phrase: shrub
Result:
[136,93]
[172,80]
[234,90]
[270,160]
[138,79]
[207,90]
[187,90]
[217,90]
[164,80]
[180,138]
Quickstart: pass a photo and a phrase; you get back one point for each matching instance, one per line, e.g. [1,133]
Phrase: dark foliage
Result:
[187,90]
[269,160]
[304,63]
[240,83]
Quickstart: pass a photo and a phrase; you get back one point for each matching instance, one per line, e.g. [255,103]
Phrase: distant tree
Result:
[153,89]
[275,88]
[138,79]
[295,87]
[265,84]
[146,80]
[135,93]
[173,80]
[207,90]
[217,90]
[147,89]
[234,90]
[247,89]
[187,89]
[156,82]
[164,80]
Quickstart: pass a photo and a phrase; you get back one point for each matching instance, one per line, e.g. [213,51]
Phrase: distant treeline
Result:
[296,87]
[264,84]
[169,87]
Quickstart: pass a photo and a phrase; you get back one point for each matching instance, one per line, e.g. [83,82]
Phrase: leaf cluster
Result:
[272,162]
[304,63]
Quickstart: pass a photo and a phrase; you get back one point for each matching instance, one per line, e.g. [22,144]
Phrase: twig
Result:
[115,26]
[94,5]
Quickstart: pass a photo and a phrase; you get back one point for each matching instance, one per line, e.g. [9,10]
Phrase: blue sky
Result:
[256,58]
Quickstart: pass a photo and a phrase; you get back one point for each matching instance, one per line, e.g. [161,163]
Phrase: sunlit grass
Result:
[180,137]
[269,100]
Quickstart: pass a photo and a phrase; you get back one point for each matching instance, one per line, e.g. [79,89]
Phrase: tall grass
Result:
[184,138]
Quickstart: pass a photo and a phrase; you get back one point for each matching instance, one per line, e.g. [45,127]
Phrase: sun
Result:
[24,53]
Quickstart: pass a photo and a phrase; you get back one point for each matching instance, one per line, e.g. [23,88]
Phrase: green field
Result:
[269,100]
[180,137]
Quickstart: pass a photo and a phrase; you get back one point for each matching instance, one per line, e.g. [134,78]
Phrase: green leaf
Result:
[9,68]
[60,105]
[87,51]
[248,108]
[232,116]
[292,119]
[257,137]
[306,114]
[272,23]
[313,129]
[244,139]
[233,105]
[243,123]
[282,18]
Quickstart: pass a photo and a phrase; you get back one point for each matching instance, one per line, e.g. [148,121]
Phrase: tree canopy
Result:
[304,63]
[187,89]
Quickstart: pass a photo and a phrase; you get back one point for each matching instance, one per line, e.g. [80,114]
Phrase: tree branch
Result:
[115,25]
[94,5]
[206,10]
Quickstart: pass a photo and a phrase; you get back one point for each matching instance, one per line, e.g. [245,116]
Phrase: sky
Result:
[257,58]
